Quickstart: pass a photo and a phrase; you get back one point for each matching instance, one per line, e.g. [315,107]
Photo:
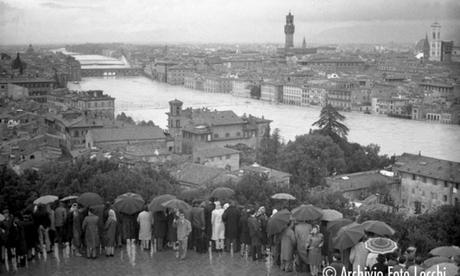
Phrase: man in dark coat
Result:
[231,219]
[255,232]
[245,239]
[207,220]
[160,227]
[198,227]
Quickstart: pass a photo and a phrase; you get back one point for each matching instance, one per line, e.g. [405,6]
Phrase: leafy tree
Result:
[122,117]
[269,149]
[310,158]
[330,123]
[247,155]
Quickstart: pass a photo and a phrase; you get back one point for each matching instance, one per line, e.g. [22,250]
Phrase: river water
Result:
[145,99]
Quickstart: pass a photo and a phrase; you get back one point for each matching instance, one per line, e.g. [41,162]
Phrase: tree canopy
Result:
[330,123]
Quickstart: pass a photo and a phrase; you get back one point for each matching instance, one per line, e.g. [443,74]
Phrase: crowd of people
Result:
[212,227]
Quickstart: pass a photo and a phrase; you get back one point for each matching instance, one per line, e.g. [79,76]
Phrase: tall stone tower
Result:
[174,123]
[435,42]
[289,29]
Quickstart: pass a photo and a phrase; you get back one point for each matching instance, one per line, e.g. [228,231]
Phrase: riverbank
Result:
[144,99]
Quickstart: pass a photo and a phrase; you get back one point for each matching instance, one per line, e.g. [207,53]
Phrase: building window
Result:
[446,184]
[238,134]
[456,186]
[424,179]
[227,135]
[413,177]
[445,198]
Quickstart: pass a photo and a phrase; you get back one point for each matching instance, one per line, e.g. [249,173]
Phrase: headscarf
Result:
[112,215]
[226,206]
[218,206]
[74,207]
[274,211]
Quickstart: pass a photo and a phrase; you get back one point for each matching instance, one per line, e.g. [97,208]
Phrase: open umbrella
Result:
[129,203]
[331,214]
[435,260]
[447,269]
[176,204]
[278,222]
[90,199]
[334,226]
[348,236]
[446,251]
[190,195]
[222,193]
[378,227]
[380,245]
[283,196]
[47,199]
[306,212]
[155,204]
[71,197]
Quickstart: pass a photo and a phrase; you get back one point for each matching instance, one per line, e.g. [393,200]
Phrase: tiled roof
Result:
[127,133]
[215,118]
[357,181]
[216,151]
[429,167]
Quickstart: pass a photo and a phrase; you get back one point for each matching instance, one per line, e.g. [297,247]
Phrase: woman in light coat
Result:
[218,227]
[145,221]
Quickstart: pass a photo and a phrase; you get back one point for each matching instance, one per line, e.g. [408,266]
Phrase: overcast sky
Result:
[147,21]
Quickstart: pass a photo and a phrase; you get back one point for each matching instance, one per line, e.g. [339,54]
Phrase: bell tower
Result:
[289,29]
[435,42]
[174,123]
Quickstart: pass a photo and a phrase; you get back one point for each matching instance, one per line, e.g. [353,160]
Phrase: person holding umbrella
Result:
[184,228]
[218,226]
[145,221]
[358,256]
[288,243]
[90,227]
[42,222]
[231,217]
[302,234]
[314,250]
[110,229]
[255,233]
[77,220]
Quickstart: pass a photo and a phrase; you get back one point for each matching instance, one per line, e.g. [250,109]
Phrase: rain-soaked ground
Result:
[147,263]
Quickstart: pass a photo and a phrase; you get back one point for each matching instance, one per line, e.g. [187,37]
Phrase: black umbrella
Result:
[278,222]
[155,204]
[222,193]
[176,204]
[306,212]
[129,203]
[90,199]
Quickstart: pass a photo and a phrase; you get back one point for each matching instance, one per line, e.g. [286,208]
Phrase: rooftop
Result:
[216,151]
[358,181]
[127,133]
[429,167]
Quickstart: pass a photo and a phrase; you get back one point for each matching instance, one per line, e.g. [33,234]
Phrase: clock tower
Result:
[289,29]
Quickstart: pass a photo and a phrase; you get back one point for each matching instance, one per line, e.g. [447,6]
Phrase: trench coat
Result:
[160,225]
[288,244]
[218,227]
[110,229]
[91,229]
[231,218]
[302,235]
[145,221]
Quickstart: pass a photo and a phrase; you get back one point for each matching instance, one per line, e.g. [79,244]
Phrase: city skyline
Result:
[206,21]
